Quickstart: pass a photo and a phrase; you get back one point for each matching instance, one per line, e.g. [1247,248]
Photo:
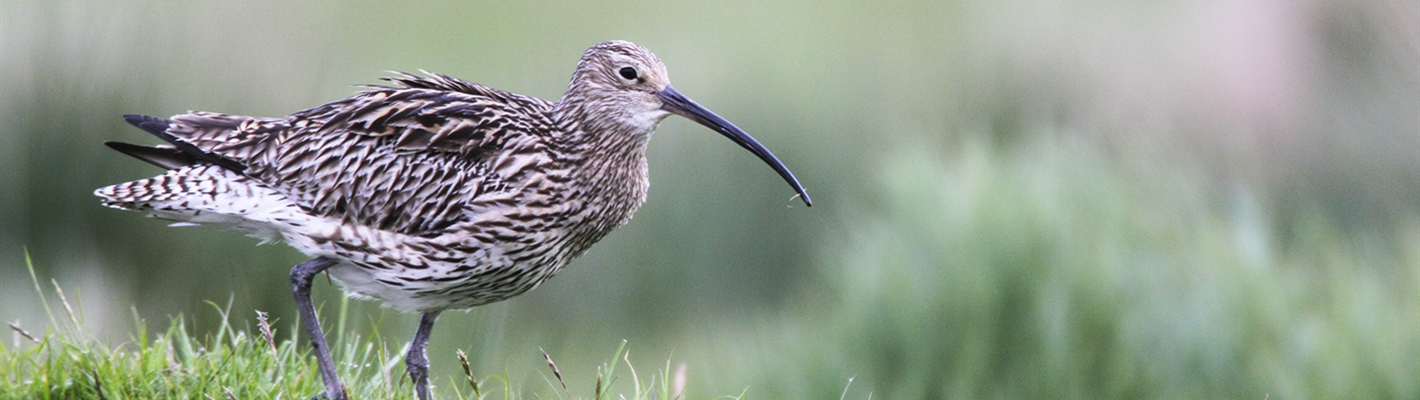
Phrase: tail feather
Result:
[207,195]
[152,192]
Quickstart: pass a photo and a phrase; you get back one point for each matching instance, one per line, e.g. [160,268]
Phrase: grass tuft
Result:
[66,362]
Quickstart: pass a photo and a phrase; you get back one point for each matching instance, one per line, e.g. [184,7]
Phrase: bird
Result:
[427,193]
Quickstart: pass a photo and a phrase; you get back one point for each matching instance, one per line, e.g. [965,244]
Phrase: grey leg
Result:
[301,276]
[417,361]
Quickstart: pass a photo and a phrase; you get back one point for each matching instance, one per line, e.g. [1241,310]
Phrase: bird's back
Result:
[405,159]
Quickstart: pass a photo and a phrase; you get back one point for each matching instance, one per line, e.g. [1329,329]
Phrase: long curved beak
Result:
[677,103]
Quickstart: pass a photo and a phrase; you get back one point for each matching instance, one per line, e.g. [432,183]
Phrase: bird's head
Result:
[620,86]
[617,82]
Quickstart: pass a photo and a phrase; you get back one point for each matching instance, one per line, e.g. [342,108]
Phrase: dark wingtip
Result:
[166,157]
[154,125]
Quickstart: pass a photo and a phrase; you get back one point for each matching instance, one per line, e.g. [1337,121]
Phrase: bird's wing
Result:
[406,159]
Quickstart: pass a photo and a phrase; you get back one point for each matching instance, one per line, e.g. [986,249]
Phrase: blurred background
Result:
[1014,199]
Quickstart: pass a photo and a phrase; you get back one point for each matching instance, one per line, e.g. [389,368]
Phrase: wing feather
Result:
[406,158]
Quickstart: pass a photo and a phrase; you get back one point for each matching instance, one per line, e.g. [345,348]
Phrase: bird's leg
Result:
[417,360]
[301,276]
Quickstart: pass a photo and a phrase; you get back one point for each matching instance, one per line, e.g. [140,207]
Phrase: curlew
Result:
[428,194]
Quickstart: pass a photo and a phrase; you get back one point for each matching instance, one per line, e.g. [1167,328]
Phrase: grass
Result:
[67,362]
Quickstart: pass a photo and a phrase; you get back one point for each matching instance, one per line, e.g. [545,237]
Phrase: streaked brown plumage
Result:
[430,194]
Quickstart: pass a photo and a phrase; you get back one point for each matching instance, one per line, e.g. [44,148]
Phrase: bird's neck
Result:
[608,156]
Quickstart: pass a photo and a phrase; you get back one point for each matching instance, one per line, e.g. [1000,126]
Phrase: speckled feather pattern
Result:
[433,193]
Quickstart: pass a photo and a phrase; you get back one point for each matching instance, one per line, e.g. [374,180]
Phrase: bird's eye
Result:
[628,73]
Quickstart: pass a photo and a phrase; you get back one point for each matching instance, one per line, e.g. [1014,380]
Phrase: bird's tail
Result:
[202,194]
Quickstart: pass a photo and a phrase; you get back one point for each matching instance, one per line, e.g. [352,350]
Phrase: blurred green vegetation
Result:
[1059,199]
[1053,271]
